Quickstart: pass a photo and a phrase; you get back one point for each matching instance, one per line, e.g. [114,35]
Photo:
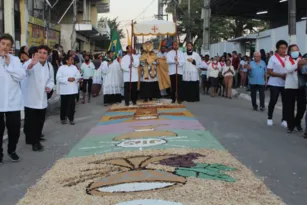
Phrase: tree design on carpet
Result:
[139,178]
[187,168]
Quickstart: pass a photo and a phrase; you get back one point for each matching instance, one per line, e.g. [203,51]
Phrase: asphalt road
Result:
[275,156]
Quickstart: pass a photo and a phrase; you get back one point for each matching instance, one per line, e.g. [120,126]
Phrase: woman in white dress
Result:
[112,80]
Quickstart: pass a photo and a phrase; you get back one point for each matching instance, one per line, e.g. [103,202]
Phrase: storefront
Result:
[37,31]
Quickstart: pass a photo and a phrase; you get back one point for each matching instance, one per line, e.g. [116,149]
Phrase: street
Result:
[273,155]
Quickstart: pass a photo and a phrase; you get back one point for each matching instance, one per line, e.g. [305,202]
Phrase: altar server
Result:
[176,61]
[40,82]
[129,65]
[11,74]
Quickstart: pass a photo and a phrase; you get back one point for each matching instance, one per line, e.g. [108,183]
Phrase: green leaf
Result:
[207,171]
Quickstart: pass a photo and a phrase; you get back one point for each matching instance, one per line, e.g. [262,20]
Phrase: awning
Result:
[155,28]
[87,30]
[244,38]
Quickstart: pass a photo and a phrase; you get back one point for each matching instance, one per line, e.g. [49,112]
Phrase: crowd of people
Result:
[33,78]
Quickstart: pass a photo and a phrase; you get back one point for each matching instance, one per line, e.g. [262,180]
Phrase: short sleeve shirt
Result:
[257,73]
[277,67]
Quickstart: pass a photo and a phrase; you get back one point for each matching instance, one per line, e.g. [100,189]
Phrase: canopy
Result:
[155,28]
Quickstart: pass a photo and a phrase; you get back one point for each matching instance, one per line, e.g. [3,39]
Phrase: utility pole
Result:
[160,10]
[189,27]
[74,33]
[292,21]
[206,28]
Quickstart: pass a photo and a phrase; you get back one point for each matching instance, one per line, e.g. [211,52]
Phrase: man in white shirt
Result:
[129,65]
[11,74]
[176,61]
[88,70]
[40,82]
[277,72]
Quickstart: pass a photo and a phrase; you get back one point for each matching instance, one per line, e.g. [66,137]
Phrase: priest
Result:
[176,61]
[149,87]
[112,80]
[129,65]
[191,74]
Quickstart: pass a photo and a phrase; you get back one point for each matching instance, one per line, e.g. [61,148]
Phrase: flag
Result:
[115,45]
[128,38]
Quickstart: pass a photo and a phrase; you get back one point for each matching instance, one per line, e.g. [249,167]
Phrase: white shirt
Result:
[65,72]
[226,68]
[190,71]
[291,81]
[10,77]
[87,70]
[125,63]
[277,67]
[38,78]
[204,65]
[214,72]
[170,58]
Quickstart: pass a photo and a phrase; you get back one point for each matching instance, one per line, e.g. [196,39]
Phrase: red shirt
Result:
[235,63]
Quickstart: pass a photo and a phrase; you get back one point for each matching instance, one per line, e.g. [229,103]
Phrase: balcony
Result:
[98,33]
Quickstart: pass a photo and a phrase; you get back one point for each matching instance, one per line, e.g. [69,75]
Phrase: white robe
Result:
[172,64]
[190,71]
[39,77]
[125,63]
[10,77]
[97,78]
[66,87]
[112,78]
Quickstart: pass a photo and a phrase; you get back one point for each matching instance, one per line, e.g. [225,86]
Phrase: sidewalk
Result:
[242,93]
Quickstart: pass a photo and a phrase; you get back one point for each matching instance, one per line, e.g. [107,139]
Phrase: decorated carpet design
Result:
[153,153]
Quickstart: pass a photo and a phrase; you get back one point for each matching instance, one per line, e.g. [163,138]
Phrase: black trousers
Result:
[87,86]
[254,89]
[68,105]
[293,96]
[274,95]
[134,86]
[12,122]
[173,87]
[34,123]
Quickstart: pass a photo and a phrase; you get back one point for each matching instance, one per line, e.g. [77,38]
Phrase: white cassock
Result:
[191,71]
[10,77]
[125,63]
[66,87]
[38,78]
[112,78]
[172,64]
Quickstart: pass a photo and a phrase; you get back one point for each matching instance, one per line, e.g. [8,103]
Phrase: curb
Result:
[247,97]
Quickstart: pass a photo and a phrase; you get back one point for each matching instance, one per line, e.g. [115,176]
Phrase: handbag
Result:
[49,95]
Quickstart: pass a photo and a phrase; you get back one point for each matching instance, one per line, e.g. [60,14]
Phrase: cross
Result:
[154,29]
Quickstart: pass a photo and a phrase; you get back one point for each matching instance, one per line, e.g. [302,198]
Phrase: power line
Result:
[145,9]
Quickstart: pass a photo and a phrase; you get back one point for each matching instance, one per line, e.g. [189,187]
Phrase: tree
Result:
[114,24]
[221,27]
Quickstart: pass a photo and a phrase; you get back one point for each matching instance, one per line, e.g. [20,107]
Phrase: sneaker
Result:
[262,109]
[14,157]
[37,147]
[290,131]
[299,128]
[72,122]
[284,124]
[305,135]
[270,122]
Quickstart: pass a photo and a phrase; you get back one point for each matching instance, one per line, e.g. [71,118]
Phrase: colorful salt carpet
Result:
[147,155]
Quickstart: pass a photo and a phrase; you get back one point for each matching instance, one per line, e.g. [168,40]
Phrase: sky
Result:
[128,10]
